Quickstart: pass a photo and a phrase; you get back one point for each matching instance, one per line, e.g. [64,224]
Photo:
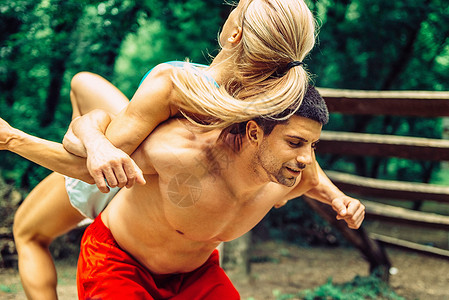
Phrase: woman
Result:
[258,72]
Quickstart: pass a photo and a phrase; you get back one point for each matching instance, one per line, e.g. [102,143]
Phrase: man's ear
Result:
[254,133]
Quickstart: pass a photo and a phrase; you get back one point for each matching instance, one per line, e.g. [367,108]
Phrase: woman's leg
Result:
[47,213]
[90,91]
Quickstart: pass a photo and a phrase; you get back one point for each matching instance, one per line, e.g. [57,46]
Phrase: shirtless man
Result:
[157,240]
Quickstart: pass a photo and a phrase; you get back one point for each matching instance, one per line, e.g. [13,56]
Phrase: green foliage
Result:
[192,27]
[382,45]
[178,30]
[44,43]
[5,288]
[359,288]
[361,44]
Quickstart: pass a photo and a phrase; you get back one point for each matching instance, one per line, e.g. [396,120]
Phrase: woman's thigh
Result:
[46,213]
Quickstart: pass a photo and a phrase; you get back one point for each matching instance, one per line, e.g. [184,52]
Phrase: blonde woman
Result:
[258,72]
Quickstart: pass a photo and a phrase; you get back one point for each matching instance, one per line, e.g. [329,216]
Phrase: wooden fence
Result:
[387,103]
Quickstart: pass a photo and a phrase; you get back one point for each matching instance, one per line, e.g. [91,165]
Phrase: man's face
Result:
[289,148]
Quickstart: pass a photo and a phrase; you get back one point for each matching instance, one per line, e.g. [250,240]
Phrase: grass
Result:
[359,288]
[10,288]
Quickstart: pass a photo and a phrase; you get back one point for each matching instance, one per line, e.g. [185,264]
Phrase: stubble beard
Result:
[275,174]
[281,179]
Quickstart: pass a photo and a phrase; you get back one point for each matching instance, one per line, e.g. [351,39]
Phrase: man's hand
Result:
[6,134]
[107,164]
[350,210]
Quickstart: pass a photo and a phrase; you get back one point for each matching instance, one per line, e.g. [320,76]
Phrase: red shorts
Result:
[107,272]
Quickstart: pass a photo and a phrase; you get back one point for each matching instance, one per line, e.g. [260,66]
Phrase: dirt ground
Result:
[289,269]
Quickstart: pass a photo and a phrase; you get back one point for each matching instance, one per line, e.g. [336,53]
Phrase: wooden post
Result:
[445,136]
[236,255]
[445,164]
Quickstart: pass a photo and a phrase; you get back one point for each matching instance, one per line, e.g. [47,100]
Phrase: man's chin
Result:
[288,182]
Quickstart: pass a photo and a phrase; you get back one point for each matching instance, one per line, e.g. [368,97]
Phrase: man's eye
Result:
[292,144]
[314,146]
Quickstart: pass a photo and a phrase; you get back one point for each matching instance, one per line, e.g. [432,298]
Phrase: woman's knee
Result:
[77,88]
[24,232]
[80,80]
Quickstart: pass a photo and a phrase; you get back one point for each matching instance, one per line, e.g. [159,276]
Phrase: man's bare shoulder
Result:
[175,145]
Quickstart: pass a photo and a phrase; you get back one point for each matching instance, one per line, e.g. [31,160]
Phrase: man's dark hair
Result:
[312,107]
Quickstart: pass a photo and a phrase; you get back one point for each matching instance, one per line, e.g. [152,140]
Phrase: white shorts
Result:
[87,198]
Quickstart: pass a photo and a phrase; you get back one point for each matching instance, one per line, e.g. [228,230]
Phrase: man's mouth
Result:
[295,172]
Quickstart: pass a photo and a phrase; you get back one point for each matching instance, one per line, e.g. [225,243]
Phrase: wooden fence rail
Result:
[387,103]
[393,103]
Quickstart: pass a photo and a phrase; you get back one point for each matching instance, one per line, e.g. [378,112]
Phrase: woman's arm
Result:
[151,105]
[86,138]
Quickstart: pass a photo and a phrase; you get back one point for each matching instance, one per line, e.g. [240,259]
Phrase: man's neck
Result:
[243,178]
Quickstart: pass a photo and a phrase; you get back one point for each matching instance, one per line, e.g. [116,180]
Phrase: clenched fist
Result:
[350,210]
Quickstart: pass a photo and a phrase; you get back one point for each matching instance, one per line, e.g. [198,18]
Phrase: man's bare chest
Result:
[205,209]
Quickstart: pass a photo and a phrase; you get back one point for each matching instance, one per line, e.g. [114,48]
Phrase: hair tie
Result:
[293,64]
[282,71]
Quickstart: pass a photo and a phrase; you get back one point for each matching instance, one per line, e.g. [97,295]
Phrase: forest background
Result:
[362,44]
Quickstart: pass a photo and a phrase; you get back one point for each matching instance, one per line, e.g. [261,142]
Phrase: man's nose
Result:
[305,156]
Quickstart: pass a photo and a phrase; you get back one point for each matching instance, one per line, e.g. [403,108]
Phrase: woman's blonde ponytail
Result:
[275,33]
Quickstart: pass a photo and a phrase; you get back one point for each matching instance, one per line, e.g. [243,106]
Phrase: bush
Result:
[370,287]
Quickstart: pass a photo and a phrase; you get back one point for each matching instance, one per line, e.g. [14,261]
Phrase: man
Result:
[202,188]
[157,240]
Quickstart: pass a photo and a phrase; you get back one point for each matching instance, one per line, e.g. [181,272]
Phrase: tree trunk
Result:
[65,15]
[57,69]
[406,53]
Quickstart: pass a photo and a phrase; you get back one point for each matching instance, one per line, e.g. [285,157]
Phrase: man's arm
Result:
[347,208]
[315,184]
[45,153]
[52,155]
